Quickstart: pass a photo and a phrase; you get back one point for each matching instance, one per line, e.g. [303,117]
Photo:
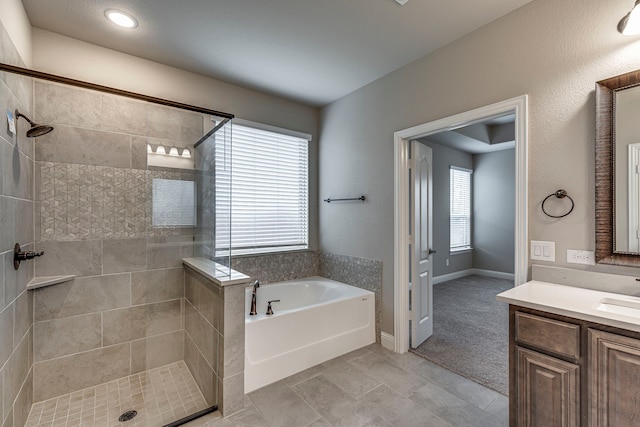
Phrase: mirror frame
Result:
[605,171]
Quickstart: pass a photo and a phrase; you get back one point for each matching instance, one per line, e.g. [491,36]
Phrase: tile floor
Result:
[369,387]
[160,396]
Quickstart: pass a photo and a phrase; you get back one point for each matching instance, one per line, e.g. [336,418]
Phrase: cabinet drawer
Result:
[553,335]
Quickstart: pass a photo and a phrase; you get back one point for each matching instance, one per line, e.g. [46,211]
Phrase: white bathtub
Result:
[316,320]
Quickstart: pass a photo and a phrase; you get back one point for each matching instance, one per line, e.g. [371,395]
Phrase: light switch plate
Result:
[543,251]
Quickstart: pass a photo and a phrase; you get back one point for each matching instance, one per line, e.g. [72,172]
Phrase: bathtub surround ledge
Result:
[216,273]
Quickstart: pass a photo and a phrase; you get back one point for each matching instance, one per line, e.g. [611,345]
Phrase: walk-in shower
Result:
[99,326]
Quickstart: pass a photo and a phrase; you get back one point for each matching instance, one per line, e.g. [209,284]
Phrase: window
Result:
[266,193]
[460,209]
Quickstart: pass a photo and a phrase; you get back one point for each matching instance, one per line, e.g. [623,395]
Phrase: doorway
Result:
[403,210]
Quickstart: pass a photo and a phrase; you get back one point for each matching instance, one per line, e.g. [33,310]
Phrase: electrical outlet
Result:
[580,257]
[543,251]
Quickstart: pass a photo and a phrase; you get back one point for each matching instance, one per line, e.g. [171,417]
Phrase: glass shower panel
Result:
[213,166]
[122,196]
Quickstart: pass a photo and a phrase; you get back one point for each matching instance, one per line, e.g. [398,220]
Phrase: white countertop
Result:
[577,302]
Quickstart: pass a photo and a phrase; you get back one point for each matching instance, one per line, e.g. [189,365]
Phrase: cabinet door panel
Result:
[614,375]
[548,391]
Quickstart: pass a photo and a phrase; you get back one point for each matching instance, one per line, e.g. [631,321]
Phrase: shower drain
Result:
[129,415]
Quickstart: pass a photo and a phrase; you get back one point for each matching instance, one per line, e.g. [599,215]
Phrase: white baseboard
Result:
[496,274]
[451,276]
[388,341]
[469,272]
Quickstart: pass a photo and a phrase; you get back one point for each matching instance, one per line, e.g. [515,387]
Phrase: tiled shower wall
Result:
[214,340]
[124,311]
[16,225]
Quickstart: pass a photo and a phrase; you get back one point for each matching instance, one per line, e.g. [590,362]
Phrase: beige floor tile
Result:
[160,396]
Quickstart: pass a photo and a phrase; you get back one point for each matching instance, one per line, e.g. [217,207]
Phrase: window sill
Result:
[272,252]
[460,251]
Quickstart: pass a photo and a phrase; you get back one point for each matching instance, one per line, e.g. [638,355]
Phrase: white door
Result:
[421,283]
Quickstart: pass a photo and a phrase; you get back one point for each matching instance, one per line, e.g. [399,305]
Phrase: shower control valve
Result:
[20,255]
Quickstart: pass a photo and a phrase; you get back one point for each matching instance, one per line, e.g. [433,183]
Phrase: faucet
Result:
[254,311]
[269,309]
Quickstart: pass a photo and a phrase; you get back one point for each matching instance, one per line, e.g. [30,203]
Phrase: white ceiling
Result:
[311,51]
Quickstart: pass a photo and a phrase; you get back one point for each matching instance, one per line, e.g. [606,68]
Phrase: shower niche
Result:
[124,190]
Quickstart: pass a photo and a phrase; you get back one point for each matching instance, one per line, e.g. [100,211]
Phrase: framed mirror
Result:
[618,170]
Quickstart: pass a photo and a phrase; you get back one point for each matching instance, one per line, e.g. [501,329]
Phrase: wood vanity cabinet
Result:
[614,379]
[569,372]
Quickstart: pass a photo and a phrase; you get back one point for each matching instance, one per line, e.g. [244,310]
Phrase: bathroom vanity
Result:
[574,356]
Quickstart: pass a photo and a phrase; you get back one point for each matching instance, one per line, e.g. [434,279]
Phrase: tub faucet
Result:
[254,311]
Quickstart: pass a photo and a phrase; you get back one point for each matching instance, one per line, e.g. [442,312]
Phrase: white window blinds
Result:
[263,202]
[460,208]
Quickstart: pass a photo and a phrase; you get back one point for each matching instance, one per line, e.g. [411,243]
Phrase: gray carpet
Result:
[470,330]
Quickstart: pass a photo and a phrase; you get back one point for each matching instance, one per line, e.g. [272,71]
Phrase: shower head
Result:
[36,129]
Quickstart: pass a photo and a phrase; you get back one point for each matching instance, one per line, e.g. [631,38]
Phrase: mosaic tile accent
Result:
[86,202]
[360,272]
[271,268]
[160,396]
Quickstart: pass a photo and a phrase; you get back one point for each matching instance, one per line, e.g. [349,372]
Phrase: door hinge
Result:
[411,315]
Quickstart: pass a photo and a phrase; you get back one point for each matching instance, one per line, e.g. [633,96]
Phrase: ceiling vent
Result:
[401,2]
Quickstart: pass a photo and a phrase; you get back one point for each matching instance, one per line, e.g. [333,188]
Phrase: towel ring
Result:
[560,194]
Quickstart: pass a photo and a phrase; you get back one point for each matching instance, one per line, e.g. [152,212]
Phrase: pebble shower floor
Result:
[160,396]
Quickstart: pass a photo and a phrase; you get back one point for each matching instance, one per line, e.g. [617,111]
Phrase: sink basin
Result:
[619,306]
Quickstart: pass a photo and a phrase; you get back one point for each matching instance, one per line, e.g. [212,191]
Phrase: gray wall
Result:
[493,211]
[16,225]
[443,159]
[493,201]
[552,50]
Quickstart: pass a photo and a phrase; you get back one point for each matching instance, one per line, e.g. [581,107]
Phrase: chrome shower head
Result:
[36,129]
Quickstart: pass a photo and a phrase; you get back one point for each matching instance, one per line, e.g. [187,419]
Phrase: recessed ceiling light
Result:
[120,18]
